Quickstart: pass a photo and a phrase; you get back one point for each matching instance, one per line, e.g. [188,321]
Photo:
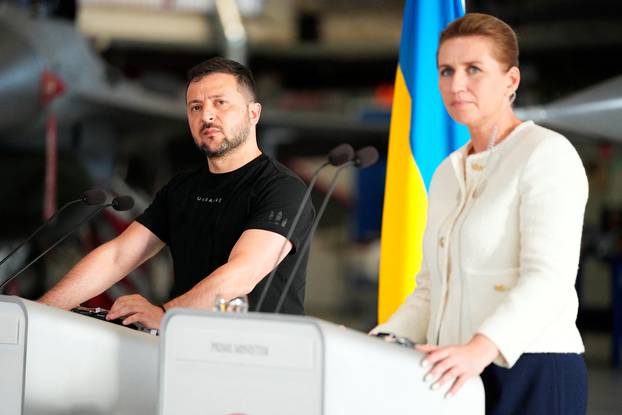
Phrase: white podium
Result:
[266,364]
[56,362]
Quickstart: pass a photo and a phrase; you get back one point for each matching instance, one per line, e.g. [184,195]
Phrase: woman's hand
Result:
[457,364]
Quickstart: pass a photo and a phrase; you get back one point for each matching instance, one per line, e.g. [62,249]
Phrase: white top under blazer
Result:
[501,249]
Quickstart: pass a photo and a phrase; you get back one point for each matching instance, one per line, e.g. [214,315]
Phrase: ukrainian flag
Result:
[421,135]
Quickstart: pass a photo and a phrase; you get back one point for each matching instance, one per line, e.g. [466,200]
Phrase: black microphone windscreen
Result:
[122,203]
[366,156]
[341,154]
[94,197]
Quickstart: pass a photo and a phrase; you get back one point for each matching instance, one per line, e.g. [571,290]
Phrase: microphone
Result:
[339,155]
[119,203]
[90,198]
[363,158]
[122,203]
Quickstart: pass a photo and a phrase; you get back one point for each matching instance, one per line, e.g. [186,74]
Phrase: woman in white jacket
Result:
[495,295]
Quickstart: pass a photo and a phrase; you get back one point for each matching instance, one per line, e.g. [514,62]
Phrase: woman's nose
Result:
[458,82]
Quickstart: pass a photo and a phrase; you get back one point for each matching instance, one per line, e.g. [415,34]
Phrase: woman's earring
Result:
[512,97]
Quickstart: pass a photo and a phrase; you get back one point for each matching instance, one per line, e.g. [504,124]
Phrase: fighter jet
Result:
[47,67]
[595,112]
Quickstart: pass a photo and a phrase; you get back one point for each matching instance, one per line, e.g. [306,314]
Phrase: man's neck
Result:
[234,160]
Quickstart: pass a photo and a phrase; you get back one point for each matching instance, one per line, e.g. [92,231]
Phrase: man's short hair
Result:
[242,74]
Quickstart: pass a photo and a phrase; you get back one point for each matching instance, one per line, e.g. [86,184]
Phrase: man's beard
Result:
[228,144]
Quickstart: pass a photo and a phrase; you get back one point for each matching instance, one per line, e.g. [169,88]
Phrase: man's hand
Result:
[457,364]
[135,308]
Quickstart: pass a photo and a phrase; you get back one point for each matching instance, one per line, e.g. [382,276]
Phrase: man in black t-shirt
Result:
[225,223]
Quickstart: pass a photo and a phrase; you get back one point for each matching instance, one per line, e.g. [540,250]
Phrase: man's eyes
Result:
[217,103]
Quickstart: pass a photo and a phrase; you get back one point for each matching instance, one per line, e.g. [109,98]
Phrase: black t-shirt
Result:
[201,215]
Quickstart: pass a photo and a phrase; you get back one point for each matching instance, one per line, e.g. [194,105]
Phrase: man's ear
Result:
[254,112]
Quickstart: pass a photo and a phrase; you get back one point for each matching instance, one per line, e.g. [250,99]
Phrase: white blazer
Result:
[502,259]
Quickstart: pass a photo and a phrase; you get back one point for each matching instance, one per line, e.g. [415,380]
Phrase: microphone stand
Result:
[292,228]
[307,241]
[40,228]
[341,154]
[114,204]
[364,157]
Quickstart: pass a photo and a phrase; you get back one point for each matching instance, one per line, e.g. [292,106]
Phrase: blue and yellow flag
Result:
[421,135]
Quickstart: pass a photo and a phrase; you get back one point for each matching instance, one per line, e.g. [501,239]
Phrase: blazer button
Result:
[501,287]
[441,242]
[477,167]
